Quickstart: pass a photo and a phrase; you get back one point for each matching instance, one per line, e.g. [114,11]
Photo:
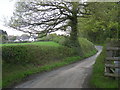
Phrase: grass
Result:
[98,80]
[16,73]
[50,43]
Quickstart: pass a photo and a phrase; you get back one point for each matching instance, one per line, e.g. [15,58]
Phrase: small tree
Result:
[3,36]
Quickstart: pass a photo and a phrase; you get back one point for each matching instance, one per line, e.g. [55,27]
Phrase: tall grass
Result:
[98,79]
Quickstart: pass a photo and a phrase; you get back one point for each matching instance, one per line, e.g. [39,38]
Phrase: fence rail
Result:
[113,48]
[113,58]
[112,75]
[112,66]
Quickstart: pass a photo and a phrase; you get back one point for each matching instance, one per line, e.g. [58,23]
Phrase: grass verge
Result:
[19,72]
[98,80]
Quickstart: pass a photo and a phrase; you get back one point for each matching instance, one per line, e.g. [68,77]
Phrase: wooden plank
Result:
[112,66]
[113,48]
[112,70]
[112,75]
[113,58]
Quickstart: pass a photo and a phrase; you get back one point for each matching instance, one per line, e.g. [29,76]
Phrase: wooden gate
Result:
[112,61]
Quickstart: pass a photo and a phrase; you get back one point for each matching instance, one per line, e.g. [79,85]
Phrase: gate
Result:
[112,61]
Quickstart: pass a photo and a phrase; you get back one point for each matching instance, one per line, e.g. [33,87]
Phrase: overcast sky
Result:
[6,11]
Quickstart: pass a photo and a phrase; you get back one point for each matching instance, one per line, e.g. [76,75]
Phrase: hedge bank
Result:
[19,61]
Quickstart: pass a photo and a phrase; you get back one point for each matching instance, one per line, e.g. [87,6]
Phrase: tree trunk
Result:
[74,31]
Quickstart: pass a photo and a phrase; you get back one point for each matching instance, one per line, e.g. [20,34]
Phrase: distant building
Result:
[33,38]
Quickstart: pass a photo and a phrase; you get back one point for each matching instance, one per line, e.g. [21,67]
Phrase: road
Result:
[72,76]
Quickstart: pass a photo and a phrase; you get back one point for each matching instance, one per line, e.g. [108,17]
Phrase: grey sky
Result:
[6,11]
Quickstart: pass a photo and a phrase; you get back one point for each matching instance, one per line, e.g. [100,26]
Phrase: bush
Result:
[15,54]
[34,53]
[59,39]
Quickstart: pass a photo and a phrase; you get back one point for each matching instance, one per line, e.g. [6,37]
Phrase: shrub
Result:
[34,53]
[15,54]
[59,39]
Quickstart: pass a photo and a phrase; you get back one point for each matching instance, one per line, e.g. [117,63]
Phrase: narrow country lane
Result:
[72,76]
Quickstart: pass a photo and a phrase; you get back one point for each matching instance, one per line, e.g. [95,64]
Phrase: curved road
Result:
[72,76]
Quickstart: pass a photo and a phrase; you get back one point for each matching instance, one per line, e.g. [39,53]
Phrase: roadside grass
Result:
[15,73]
[98,80]
[42,43]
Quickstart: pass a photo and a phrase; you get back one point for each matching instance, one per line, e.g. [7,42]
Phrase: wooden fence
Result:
[112,61]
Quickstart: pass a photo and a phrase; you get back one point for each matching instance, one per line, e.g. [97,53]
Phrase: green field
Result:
[50,43]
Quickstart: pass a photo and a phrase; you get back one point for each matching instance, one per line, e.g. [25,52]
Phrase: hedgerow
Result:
[21,54]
